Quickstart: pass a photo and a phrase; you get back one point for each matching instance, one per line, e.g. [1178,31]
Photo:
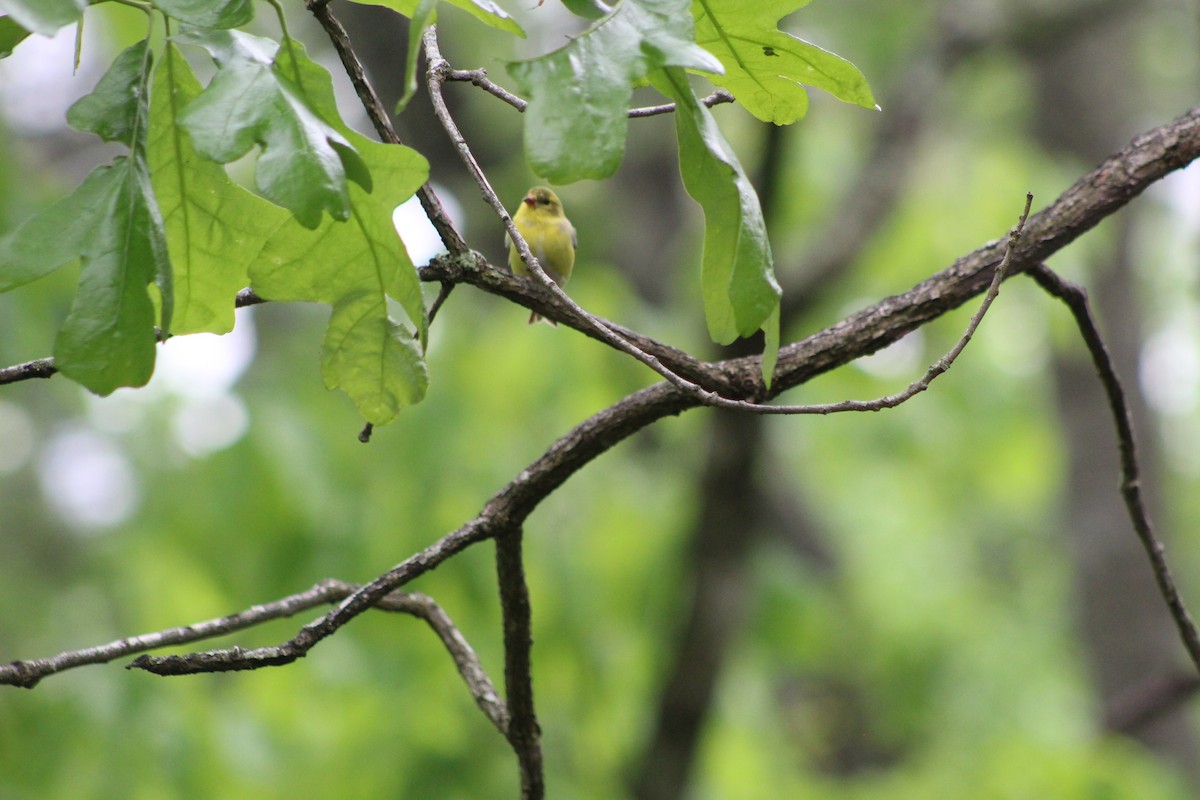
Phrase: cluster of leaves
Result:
[167,239]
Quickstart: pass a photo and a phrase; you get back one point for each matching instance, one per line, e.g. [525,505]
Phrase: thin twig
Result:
[379,118]
[523,732]
[942,364]
[439,68]
[27,674]
[443,293]
[1075,297]
[1094,197]
[716,98]
[39,368]
[45,367]
[479,78]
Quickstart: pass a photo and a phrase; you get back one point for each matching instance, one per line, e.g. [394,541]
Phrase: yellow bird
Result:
[549,234]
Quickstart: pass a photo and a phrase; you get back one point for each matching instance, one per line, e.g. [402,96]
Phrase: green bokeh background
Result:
[947,628]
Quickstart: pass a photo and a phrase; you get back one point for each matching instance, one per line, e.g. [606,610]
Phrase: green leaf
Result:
[116,109]
[112,223]
[579,94]
[279,104]
[372,359]
[208,13]
[11,35]
[765,67]
[56,236]
[355,266]
[589,9]
[770,354]
[421,19]
[485,11]
[108,339]
[44,16]
[737,276]
[214,227]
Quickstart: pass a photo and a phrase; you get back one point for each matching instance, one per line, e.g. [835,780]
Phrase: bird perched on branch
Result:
[549,234]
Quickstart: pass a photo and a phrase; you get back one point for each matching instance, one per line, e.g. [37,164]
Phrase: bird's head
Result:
[539,198]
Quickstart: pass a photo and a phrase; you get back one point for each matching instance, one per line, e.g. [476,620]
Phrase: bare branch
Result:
[1081,207]
[578,318]
[45,368]
[941,365]
[465,659]
[1092,198]
[40,368]
[379,118]
[27,674]
[1131,484]
[715,99]
[710,398]
[438,69]
[479,78]
[523,732]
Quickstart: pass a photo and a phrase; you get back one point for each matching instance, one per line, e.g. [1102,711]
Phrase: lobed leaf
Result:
[737,273]
[11,35]
[214,228]
[485,11]
[372,359]
[268,94]
[112,223]
[43,16]
[767,69]
[116,109]
[56,236]
[579,94]
[355,266]
[108,338]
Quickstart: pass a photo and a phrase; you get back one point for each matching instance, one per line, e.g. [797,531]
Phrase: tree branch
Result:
[1131,484]
[379,118]
[1095,196]
[523,732]
[479,78]
[27,674]
[577,317]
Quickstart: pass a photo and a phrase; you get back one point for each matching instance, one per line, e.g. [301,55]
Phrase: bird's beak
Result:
[529,200]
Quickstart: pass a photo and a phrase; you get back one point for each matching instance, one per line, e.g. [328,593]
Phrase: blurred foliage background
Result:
[944,600]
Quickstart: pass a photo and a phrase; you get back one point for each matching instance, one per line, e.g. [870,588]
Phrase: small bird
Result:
[549,234]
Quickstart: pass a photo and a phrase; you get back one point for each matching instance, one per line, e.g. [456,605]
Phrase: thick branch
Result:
[1095,196]
[523,732]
